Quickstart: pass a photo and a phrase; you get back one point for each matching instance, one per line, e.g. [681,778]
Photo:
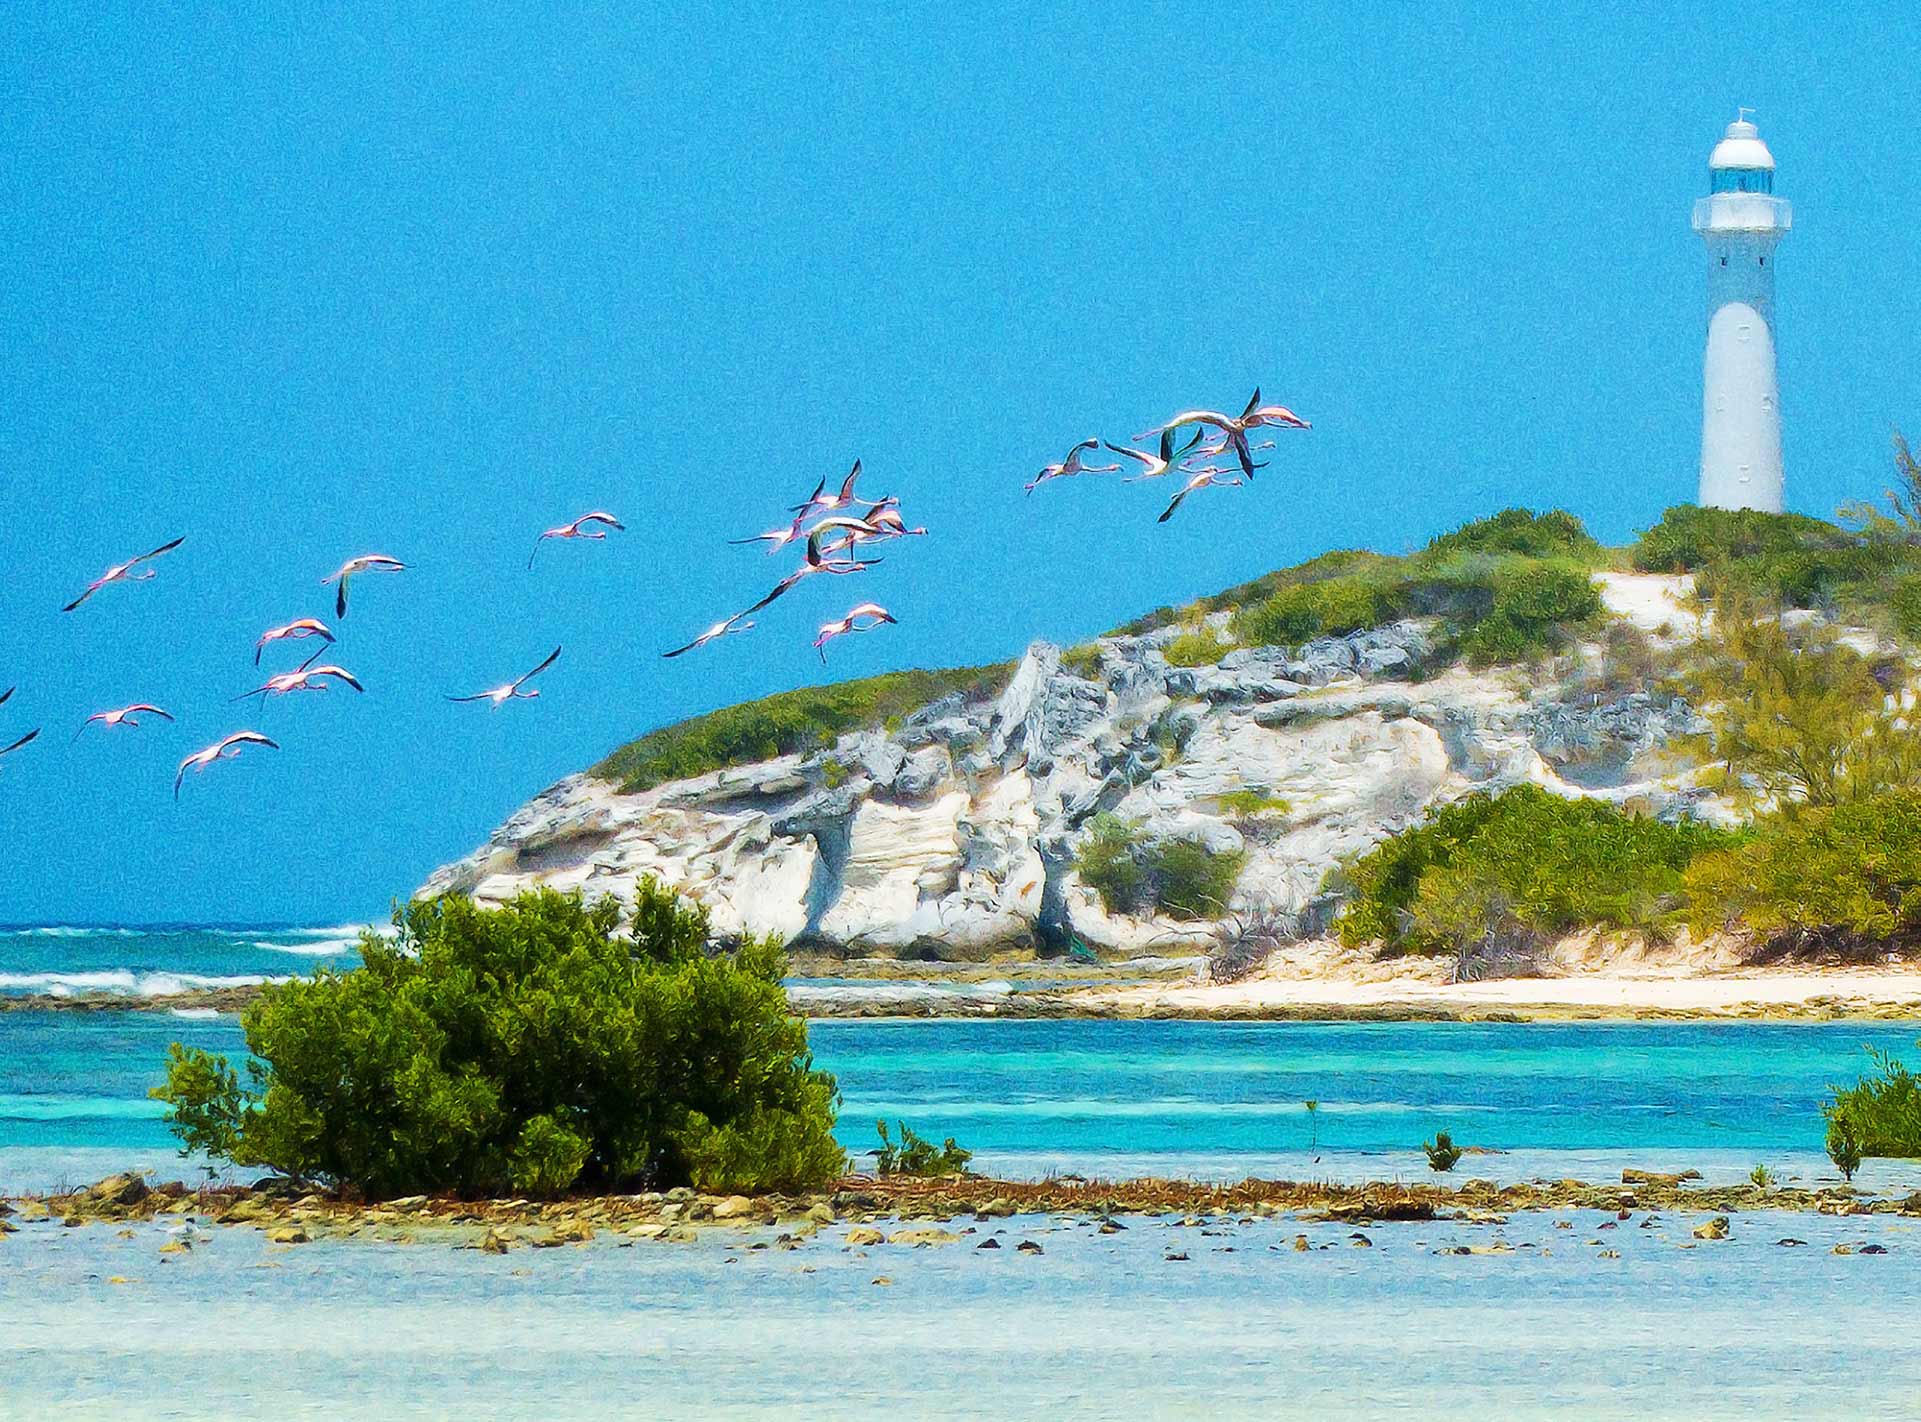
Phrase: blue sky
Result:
[424,284]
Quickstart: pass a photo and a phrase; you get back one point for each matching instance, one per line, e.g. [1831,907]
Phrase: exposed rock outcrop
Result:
[954,835]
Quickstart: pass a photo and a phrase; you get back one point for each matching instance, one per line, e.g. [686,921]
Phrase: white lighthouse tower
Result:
[1741,221]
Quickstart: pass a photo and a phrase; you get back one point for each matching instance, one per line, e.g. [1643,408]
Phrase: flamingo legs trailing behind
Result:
[815,564]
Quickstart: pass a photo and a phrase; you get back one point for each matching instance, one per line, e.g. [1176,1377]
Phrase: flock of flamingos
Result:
[832,527]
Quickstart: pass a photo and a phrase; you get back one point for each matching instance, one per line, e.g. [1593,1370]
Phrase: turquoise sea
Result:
[1243,1325]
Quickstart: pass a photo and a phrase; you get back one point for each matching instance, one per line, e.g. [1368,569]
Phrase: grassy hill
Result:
[1506,589]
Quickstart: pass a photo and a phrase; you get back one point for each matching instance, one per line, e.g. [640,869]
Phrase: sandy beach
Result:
[1323,980]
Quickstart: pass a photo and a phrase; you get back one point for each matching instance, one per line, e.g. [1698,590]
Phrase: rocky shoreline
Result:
[867,1209]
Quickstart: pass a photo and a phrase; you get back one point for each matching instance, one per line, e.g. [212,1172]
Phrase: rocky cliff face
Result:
[955,835]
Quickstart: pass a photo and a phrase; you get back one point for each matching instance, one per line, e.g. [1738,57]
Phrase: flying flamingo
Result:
[878,524]
[123,572]
[292,632]
[218,751]
[366,563]
[827,503]
[574,530]
[7,750]
[1072,465]
[814,564]
[719,629]
[501,695]
[1153,466]
[123,717]
[1234,429]
[852,622]
[306,679]
[1209,478]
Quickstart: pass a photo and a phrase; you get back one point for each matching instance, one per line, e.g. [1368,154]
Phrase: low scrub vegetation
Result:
[1133,875]
[1832,876]
[913,1154]
[1200,647]
[1496,871]
[533,1048]
[1878,1117]
[794,722]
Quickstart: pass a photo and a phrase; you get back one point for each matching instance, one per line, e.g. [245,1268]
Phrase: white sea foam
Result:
[126,982]
[324,948]
[66,931]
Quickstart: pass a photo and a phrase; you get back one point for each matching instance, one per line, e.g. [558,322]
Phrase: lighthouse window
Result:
[1743,180]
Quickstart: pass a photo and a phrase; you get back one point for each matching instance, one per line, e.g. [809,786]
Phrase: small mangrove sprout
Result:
[1442,1153]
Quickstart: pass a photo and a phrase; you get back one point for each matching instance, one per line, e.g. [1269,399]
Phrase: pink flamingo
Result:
[501,695]
[218,751]
[8,750]
[1234,429]
[776,538]
[293,632]
[1155,465]
[306,679]
[123,572]
[815,564]
[1072,465]
[877,525]
[874,614]
[1209,478]
[719,629]
[366,563]
[123,717]
[574,530]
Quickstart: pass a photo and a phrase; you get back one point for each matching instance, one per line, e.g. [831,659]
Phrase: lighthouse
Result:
[1742,222]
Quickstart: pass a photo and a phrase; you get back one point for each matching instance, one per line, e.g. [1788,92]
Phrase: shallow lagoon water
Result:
[1096,1326]
[1203,1099]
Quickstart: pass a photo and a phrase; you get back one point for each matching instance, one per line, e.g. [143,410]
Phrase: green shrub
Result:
[531,1047]
[1555,534]
[915,1155]
[1523,859]
[1535,608]
[1879,1116]
[1904,603]
[1442,1153]
[1178,877]
[1202,647]
[1303,611]
[1194,881]
[794,722]
[1110,864]
[1791,559]
[1847,874]
[1689,538]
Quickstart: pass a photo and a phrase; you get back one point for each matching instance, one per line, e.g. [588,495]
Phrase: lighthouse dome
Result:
[1741,162]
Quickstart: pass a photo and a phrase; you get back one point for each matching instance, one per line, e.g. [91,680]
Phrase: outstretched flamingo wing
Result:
[21,742]
[552,657]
